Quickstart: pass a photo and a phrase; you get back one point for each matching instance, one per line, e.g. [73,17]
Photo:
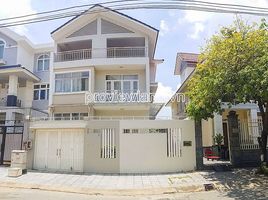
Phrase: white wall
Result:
[135,153]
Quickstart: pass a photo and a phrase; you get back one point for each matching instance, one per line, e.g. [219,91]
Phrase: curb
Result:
[107,192]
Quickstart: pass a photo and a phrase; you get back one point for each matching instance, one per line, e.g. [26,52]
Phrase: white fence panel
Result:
[108,148]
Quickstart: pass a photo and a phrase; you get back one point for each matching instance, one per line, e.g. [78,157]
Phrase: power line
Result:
[171,4]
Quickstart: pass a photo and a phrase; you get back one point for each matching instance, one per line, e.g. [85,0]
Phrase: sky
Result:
[180,31]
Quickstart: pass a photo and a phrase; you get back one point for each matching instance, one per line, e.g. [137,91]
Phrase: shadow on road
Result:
[241,184]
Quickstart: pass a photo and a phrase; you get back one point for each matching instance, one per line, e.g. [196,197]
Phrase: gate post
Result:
[3,144]
[234,144]
[199,145]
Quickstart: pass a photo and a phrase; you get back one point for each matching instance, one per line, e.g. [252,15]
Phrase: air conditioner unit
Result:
[2,62]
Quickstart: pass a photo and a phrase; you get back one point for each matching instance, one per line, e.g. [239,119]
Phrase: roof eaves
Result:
[96,5]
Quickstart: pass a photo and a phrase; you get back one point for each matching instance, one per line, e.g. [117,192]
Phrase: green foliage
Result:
[233,67]
[218,139]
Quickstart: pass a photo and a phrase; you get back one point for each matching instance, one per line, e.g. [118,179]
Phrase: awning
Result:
[18,70]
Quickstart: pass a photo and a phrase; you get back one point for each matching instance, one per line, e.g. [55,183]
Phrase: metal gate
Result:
[11,137]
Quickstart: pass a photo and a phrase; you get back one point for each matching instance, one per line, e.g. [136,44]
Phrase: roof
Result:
[18,69]
[184,57]
[99,5]
[181,86]
[188,57]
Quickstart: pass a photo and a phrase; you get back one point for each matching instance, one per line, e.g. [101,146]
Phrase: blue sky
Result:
[180,31]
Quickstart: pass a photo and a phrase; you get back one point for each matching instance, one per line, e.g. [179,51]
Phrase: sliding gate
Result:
[11,137]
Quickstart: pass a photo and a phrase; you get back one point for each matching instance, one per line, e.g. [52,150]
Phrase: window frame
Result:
[43,62]
[4,46]
[122,80]
[46,88]
[71,78]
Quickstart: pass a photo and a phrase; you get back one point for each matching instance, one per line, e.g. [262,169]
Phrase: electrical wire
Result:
[142,4]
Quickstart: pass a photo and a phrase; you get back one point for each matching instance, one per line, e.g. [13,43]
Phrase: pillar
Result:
[199,145]
[234,144]
[12,90]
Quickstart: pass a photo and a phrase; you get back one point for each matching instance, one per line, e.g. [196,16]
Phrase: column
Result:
[234,145]
[12,90]
[28,97]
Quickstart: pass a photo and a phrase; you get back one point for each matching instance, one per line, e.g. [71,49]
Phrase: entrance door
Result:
[40,154]
[66,151]
[53,150]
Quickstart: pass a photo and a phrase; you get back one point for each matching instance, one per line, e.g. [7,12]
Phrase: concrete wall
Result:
[70,98]
[10,51]
[147,153]
[135,153]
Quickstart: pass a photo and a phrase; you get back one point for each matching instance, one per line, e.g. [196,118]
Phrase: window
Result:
[43,63]
[41,92]
[70,116]
[71,82]
[2,48]
[122,83]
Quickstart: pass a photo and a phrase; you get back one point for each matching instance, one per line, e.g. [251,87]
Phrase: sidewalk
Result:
[108,184]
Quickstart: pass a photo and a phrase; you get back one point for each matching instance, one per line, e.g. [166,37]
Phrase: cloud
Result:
[13,8]
[164,28]
[198,28]
[199,21]
[163,93]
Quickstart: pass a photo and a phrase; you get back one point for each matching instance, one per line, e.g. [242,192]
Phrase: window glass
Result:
[42,94]
[43,62]
[130,77]
[126,86]
[41,91]
[72,82]
[36,95]
[2,47]
[117,85]
[75,116]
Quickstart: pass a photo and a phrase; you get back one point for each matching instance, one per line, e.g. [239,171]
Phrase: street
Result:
[26,194]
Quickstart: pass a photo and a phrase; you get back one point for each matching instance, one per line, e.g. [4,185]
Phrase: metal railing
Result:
[104,118]
[81,54]
[111,52]
[249,131]
[126,52]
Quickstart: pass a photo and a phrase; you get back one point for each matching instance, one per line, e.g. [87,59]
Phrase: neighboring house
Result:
[19,76]
[247,113]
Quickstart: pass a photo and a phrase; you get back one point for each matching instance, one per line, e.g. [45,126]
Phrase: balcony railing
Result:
[126,52]
[3,102]
[113,52]
[81,54]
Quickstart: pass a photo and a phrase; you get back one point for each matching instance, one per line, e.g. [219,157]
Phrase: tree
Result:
[233,68]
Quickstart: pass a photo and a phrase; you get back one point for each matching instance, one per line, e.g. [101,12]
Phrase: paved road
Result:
[26,194]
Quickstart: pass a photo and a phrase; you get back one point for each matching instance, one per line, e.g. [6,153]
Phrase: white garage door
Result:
[61,150]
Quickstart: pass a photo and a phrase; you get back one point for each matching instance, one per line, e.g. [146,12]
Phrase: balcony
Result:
[4,103]
[111,52]
[81,54]
[126,52]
